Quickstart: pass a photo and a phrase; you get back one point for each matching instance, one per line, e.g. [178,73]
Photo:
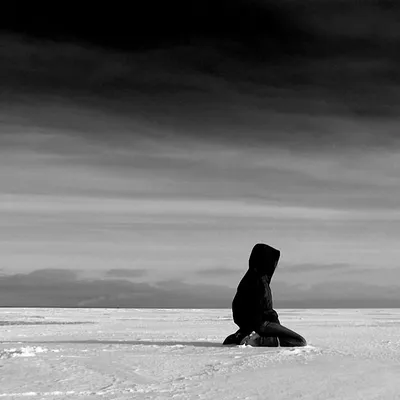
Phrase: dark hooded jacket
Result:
[252,304]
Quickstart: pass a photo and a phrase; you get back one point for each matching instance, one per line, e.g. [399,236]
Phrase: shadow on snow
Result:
[122,342]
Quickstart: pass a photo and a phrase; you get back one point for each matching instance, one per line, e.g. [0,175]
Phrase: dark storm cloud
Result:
[92,93]
[155,24]
[269,68]
[125,273]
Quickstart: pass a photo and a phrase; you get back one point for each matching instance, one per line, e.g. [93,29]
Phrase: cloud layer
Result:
[63,288]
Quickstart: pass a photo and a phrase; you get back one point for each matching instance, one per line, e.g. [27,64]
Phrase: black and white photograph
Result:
[200,200]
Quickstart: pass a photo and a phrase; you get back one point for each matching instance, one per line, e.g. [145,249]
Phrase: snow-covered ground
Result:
[177,354]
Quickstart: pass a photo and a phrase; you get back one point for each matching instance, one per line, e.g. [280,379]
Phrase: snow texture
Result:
[177,354]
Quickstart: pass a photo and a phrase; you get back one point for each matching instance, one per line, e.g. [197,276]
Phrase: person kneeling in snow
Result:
[252,305]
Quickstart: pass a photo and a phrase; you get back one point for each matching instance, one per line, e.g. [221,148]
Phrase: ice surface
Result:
[177,354]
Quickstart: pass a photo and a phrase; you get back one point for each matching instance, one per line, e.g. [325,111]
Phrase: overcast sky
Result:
[143,155]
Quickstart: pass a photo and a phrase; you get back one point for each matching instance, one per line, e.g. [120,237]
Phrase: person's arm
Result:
[271,316]
[267,310]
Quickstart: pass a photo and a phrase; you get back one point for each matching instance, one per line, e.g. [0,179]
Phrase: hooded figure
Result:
[252,306]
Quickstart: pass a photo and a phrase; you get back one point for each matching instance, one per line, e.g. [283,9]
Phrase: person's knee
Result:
[292,342]
[302,341]
[299,341]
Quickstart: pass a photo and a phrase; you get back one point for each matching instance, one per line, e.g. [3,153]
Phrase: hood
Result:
[264,259]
